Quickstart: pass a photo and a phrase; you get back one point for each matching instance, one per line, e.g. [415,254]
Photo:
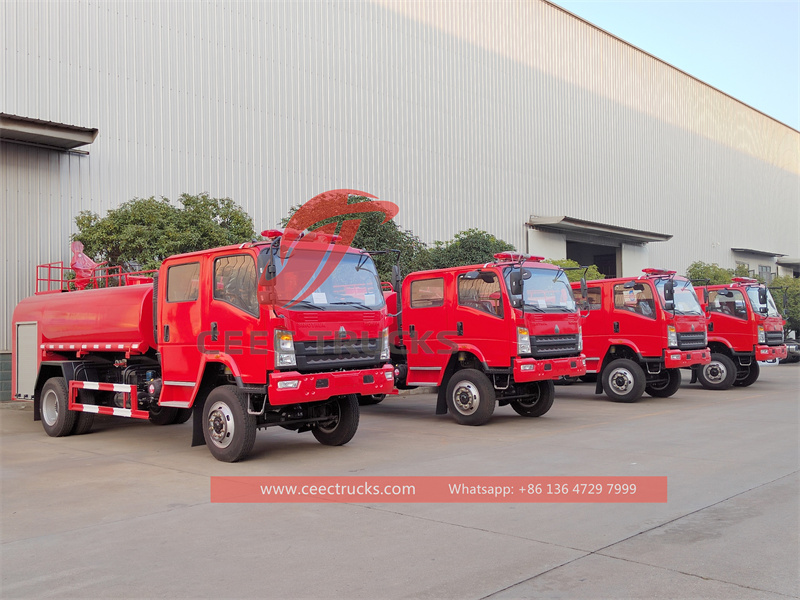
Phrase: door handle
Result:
[166,333]
[460,328]
[214,331]
[616,326]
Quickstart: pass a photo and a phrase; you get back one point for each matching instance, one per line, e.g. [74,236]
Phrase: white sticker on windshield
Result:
[369,299]
[542,303]
[319,298]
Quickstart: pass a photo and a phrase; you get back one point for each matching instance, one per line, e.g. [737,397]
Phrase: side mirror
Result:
[515,281]
[525,273]
[396,279]
[669,292]
[471,275]
[762,295]
[763,309]
[669,305]
[584,292]
[705,295]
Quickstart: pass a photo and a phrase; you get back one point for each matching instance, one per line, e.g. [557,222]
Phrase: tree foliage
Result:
[148,230]
[469,247]
[591,273]
[791,287]
[699,272]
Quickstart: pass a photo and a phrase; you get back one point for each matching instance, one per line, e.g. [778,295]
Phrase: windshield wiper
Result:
[534,307]
[304,304]
[358,304]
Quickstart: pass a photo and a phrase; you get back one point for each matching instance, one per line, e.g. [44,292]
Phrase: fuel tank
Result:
[112,315]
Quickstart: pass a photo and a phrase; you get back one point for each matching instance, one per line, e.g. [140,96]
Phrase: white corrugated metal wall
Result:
[465,114]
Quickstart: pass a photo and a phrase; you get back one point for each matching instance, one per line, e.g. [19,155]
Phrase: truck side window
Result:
[593,296]
[729,302]
[482,293]
[638,299]
[183,282]
[235,282]
[427,292]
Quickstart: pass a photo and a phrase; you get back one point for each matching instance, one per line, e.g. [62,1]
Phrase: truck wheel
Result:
[664,388]
[623,380]
[370,399]
[84,420]
[539,402]
[229,431]
[470,397]
[719,374]
[751,377]
[163,415]
[343,424]
[57,419]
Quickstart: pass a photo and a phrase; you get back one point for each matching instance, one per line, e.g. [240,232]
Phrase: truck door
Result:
[178,331]
[425,323]
[634,317]
[480,318]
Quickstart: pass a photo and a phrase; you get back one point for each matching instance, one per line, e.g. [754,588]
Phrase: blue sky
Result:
[749,50]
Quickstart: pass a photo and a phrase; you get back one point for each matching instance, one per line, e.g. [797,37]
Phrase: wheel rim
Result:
[466,397]
[50,407]
[330,426]
[220,425]
[715,372]
[532,400]
[621,381]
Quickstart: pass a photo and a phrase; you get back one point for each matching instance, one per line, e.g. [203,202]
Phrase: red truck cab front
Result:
[744,327]
[638,333]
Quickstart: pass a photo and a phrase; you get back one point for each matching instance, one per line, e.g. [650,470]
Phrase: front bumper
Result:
[771,352]
[532,369]
[313,387]
[677,359]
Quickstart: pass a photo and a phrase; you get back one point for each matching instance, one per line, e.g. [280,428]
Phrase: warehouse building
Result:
[518,118]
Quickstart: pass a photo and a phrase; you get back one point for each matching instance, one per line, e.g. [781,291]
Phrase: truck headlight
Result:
[672,336]
[284,349]
[523,341]
[580,339]
[385,344]
[762,336]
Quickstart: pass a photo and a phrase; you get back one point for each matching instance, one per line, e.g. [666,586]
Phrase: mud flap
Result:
[694,375]
[441,401]
[598,388]
[198,439]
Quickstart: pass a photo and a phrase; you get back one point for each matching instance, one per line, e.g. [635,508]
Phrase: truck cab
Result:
[744,327]
[638,332]
[500,332]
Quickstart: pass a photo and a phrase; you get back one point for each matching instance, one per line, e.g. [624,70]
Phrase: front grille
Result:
[327,355]
[774,338]
[553,346]
[691,340]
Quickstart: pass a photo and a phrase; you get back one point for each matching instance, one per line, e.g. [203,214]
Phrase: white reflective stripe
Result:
[180,383]
[175,404]
[89,385]
[121,387]
[117,412]
[90,408]
[425,368]
[122,412]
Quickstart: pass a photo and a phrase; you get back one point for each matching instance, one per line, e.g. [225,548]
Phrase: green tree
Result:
[469,247]
[147,230]
[374,235]
[791,287]
[591,273]
[699,271]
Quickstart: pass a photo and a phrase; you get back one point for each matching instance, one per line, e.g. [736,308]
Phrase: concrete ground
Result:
[124,511]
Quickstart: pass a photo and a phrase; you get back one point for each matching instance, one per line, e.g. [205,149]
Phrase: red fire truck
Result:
[236,336]
[744,327]
[638,333]
[500,332]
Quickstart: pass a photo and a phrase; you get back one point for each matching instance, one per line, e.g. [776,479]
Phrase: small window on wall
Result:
[183,282]
[483,293]
[636,299]
[593,298]
[235,282]
[765,273]
[427,293]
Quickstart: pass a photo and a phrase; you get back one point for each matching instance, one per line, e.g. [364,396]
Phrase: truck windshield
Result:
[752,295]
[307,278]
[685,298]
[547,290]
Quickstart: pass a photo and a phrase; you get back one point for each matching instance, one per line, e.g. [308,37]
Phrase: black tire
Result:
[84,420]
[343,424]
[588,378]
[623,380]
[57,419]
[370,399]
[470,397]
[752,375]
[228,430]
[719,374]
[184,414]
[666,387]
[539,402]
[163,415]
